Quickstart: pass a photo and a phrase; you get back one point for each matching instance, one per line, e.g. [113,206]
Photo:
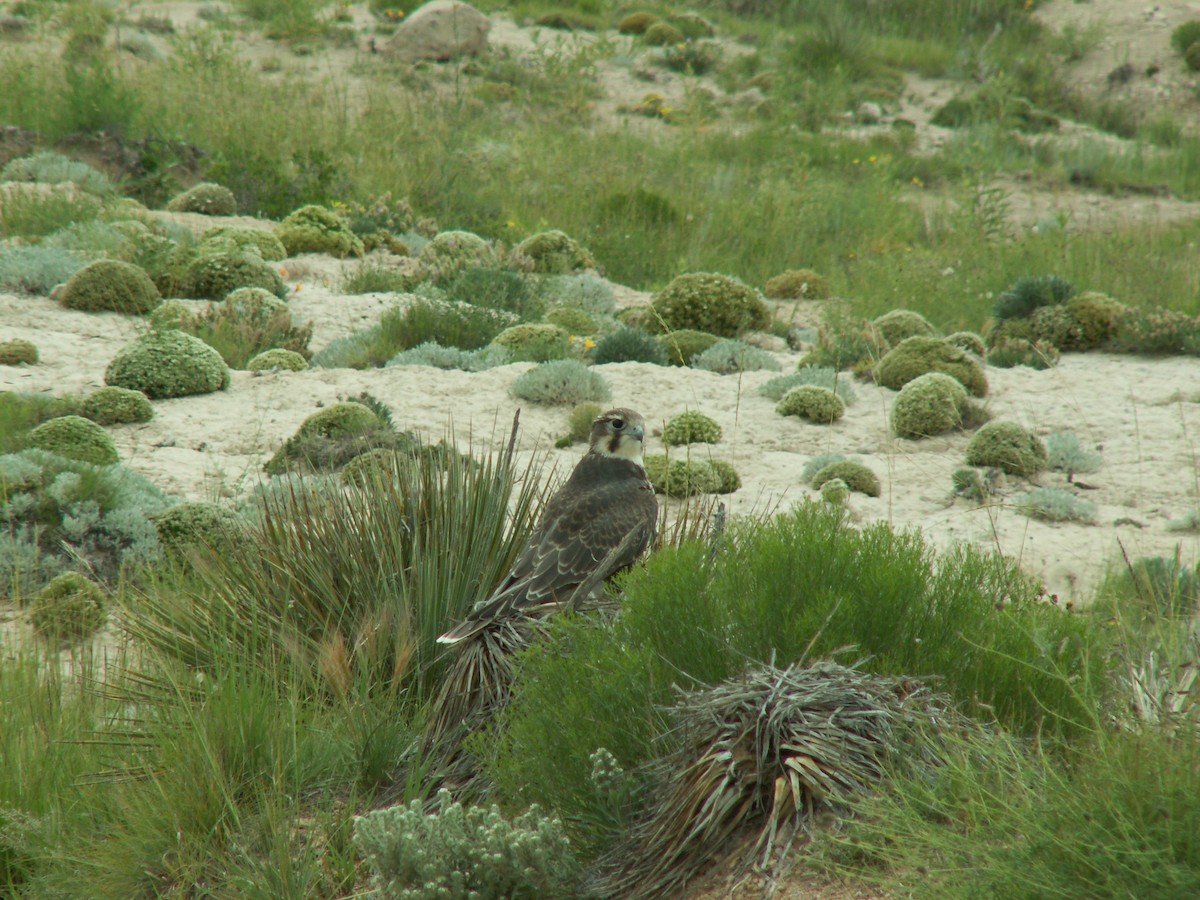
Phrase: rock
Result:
[440,30]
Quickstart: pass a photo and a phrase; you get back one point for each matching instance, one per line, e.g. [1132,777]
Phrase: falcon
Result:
[597,524]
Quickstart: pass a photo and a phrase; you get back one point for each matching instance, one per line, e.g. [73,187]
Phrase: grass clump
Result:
[572,318]
[856,476]
[629,345]
[167,363]
[1055,505]
[916,356]
[451,324]
[109,285]
[559,382]
[691,427]
[206,198]
[1029,293]
[716,304]
[75,437]
[729,357]
[585,291]
[1007,446]
[36,269]
[816,404]
[48,167]
[496,288]
[930,404]
[465,851]
[69,609]
[18,352]
[116,406]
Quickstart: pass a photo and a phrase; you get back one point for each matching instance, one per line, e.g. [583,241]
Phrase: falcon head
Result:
[618,432]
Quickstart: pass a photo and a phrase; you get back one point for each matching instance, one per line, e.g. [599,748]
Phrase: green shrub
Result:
[817,404]
[451,252]
[167,363]
[857,477]
[472,852]
[555,253]
[1162,585]
[580,419]
[818,376]
[661,34]
[816,463]
[214,274]
[929,404]
[716,304]
[31,211]
[1185,36]
[36,270]
[109,285]
[75,438]
[629,345]
[1055,505]
[692,57]
[341,422]
[206,198]
[172,315]
[561,381]
[1007,446]
[637,23]
[450,324]
[249,321]
[968,341]
[534,342]
[585,291]
[899,324]
[728,479]
[373,277]
[495,288]
[835,491]
[1191,57]
[1054,325]
[571,318]
[1066,454]
[48,167]
[1011,352]
[693,25]
[242,237]
[116,406]
[691,427]
[681,477]
[797,284]
[1156,332]
[277,358]
[17,353]
[682,346]
[435,355]
[196,524]
[69,609]
[315,229]
[1095,317]
[916,356]
[977,484]
[727,357]
[1030,293]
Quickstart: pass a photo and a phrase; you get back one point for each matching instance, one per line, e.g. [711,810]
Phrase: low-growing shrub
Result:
[496,288]
[1055,505]
[1184,37]
[37,269]
[1162,585]
[835,491]
[449,253]
[716,304]
[857,477]
[435,355]
[1066,454]
[816,404]
[587,292]
[196,524]
[116,406]
[915,356]
[846,345]
[636,23]
[681,477]
[899,324]
[580,419]
[728,357]
[534,342]
[662,34]
[18,353]
[571,318]
[249,321]
[629,345]
[682,346]
[75,438]
[48,167]
[69,609]
[109,285]
[797,284]
[450,324]
[206,198]
[316,229]
[278,358]
[213,274]
[817,463]
[329,438]
[1156,332]
[373,277]
[167,363]
[242,237]
[691,427]
[1095,316]
[1007,446]
[555,253]
[692,57]
[979,485]
[728,479]
[561,381]
[1029,293]
[930,404]
[968,341]
[817,376]
[1010,352]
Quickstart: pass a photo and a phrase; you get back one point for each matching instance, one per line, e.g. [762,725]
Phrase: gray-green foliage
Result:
[48,167]
[589,293]
[817,463]
[1067,454]
[629,345]
[168,363]
[1055,505]
[728,357]
[977,484]
[465,853]
[703,301]
[561,381]
[431,353]
[36,270]
[205,198]
[818,376]
[117,406]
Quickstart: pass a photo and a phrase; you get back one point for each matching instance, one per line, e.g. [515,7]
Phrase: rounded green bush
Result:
[117,406]
[315,229]
[637,23]
[1007,446]
[930,404]
[899,324]
[450,252]
[629,345]
[1095,318]
[242,237]
[856,476]
[555,253]
[360,471]
[207,198]
[195,524]
[70,608]
[580,419]
[288,360]
[18,352]
[167,363]
[729,357]
[681,477]
[254,304]
[693,25]
[109,285]
[215,275]
[683,345]
[727,476]
[534,342]
[797,284]
[75,438]
[1029,293]
[968,341]
[172,315]
[346,421]
[561,381]
[809,401]
[835,491]
[661,34]
[572,318]
[691,427]
[915,356]
[1054,325]
[708,302]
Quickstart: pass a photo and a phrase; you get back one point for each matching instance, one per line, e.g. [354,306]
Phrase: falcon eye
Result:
[618,424]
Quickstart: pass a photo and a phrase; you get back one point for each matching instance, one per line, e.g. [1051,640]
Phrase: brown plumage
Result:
[597,524]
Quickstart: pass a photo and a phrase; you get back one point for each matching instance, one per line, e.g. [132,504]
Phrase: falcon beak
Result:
[637,432]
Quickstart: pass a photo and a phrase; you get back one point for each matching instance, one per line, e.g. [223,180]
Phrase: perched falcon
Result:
[597,524]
